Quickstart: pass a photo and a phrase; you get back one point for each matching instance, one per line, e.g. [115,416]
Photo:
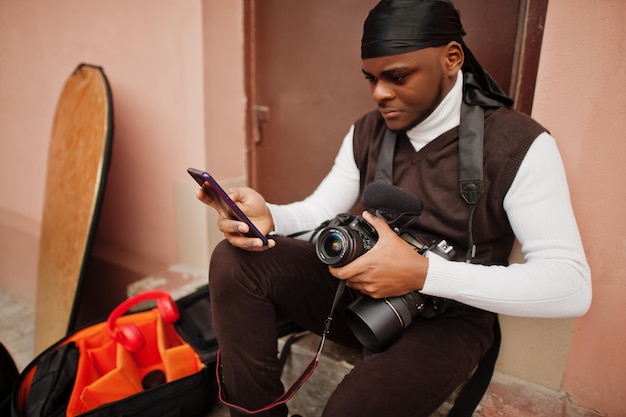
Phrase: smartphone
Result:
[217,193]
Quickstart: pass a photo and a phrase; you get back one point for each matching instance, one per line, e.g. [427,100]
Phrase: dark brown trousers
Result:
[411,378]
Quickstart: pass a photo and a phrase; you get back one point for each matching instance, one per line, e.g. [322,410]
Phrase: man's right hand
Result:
[253,205]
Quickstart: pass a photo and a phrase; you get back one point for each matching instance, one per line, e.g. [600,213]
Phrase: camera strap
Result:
[306,374]
[471,139]
[384,165]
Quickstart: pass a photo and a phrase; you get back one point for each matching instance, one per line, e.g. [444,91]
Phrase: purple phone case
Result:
[215,191]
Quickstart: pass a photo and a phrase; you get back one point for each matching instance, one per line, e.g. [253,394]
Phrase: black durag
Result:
[399,26]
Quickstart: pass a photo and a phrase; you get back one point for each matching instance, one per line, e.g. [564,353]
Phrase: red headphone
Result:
[129,335]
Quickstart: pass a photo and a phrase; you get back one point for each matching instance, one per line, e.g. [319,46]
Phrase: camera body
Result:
[376,323]
[345,238]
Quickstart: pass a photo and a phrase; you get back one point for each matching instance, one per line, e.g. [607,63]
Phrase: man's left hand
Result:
[391,268]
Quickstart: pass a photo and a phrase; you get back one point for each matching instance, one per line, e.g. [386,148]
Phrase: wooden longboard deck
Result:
[78,161]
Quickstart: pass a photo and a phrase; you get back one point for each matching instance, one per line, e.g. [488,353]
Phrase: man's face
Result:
[408,87]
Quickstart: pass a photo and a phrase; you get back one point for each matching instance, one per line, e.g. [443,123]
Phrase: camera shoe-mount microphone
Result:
[399,208]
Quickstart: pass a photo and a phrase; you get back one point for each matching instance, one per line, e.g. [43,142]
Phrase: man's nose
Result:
[381,91]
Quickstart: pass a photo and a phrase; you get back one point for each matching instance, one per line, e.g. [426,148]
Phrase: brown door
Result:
[305,86]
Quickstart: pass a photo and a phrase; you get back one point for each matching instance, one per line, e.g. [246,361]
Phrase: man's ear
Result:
[453,56]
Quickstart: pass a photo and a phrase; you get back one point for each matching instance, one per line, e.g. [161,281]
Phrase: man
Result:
[431,92]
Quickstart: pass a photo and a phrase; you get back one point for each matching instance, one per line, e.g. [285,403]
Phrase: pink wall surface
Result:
[580,97]
[153,54]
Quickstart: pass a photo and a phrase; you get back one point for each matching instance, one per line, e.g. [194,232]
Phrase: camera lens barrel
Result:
[337,246]
[377,323]
[344,239]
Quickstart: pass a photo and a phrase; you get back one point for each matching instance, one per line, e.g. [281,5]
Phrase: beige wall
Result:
[580,96]
[176,70]
[153,53]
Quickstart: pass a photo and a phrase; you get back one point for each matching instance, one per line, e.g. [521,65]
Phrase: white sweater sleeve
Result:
[337,193]
[554,280]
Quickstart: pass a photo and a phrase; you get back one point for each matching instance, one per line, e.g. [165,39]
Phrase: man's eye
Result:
[370,78]
[398,78]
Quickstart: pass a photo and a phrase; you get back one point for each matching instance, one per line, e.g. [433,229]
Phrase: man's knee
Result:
[221,253]
[225,268]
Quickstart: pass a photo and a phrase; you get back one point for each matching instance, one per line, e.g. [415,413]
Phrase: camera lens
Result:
[338,246]
[377,323]
[333,244]
[344,239]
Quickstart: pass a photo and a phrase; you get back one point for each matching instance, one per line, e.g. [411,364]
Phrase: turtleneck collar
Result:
[445,117]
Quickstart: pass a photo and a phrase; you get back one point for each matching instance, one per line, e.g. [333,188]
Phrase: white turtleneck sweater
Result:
[554,280]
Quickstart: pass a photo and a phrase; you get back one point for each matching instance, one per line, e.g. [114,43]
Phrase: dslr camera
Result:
[376,323]
[345,238]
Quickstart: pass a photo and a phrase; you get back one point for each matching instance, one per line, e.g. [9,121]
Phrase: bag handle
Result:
[129,335]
